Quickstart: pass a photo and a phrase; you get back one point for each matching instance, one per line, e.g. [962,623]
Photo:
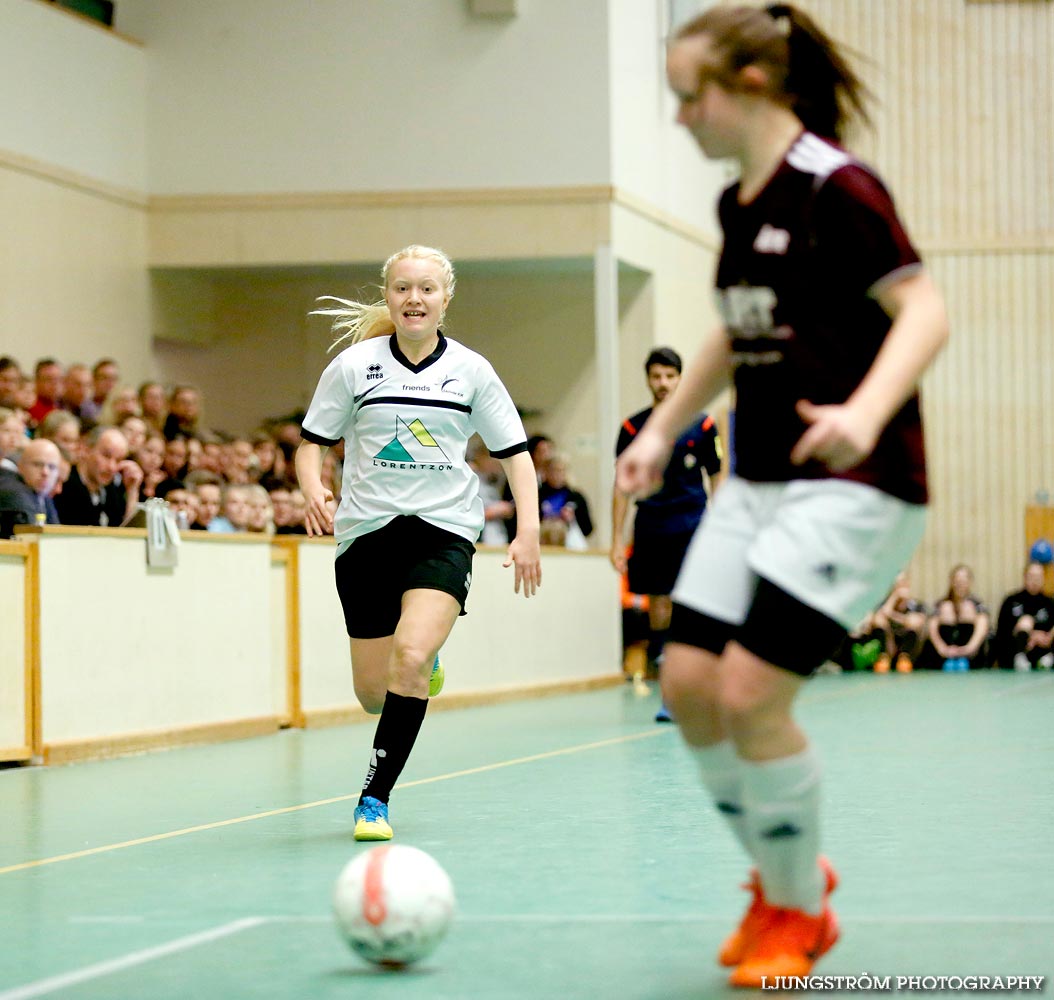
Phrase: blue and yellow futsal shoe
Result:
[371,820]
[435,682]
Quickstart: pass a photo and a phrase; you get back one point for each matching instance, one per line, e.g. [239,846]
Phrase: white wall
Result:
[73,95]
[653,158]
[254,96]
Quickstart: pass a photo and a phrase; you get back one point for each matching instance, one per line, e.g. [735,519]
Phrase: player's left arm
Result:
[524,550]
[856,222]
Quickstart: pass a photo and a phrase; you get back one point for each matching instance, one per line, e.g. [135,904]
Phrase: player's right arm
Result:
[318,514]
[641,466]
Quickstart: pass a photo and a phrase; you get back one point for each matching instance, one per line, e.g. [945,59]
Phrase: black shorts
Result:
[655,561]
[406,554]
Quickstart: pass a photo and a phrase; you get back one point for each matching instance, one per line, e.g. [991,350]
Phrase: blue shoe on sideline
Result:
[663,714]
[371,820]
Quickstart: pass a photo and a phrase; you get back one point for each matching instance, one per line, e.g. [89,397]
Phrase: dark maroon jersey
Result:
[796,287]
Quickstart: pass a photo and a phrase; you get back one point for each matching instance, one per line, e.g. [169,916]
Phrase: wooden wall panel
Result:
[962,135]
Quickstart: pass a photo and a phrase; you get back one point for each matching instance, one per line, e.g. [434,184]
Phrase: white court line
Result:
[44,986]
[679,918]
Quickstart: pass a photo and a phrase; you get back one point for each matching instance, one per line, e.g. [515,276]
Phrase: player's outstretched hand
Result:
[839,436]
[318,514]
[640,467]
[526,554]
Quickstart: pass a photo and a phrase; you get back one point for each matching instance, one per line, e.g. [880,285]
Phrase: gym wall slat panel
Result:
[962,136]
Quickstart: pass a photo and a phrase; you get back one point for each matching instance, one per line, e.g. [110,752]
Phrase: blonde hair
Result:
[357,321]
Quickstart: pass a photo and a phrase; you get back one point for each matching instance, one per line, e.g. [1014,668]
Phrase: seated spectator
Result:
[208,488]
[270,463]
[174,465]
[25,397]
[261,514]
[492,484]
[195,455]
[10,383]
[184,504]
[239,461]
[25,496]
[123,403]
[77,391]
[150,458]
[105,375]
[152,406]
[213,454]
[184,411]
[900,625]
[1026,625]
[103,488]
[12,438]
[283,513]
[48,387]
[565,511]
[64,429]
[134,430]
[958,630]
[299,502]
[235,516]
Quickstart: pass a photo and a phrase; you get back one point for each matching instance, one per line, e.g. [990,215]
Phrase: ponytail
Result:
[356,321]
[825,93]
[805,68]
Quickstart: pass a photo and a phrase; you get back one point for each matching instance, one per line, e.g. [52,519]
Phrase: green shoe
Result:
[435,682]
[865,654]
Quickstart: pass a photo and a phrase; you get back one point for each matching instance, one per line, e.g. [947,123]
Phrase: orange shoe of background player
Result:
[904,664]
[787,942]
[882,665]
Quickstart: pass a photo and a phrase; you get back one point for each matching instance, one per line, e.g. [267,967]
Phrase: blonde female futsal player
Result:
[405,399]
[829,321]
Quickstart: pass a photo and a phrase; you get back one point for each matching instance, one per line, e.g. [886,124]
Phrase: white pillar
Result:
[606,342]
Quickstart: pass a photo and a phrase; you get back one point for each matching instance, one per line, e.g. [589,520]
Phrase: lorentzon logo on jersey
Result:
[413,448]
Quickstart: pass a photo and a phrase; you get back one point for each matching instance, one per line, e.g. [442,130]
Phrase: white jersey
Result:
[405,428]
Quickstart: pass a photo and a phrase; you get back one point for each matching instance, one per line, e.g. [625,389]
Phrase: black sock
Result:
[908,642]
[397,730]
[656,643]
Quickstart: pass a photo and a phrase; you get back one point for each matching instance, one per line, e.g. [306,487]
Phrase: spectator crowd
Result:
[78,447]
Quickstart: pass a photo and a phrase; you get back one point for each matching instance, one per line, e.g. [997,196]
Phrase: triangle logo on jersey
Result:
[412,442]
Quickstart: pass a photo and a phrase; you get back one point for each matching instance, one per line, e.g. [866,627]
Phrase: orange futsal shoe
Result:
[788,942]
[742,940]
[882,665]
[904,664]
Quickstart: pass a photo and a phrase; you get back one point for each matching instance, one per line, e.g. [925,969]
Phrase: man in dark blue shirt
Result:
[25,496]
[666,520]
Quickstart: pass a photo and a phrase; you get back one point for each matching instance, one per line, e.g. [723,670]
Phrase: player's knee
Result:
[410,661]
[371,697]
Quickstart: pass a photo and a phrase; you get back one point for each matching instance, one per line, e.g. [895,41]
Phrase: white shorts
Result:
[836,546]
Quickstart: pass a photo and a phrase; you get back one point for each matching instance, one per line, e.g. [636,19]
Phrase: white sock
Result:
[722,774]
[781,800]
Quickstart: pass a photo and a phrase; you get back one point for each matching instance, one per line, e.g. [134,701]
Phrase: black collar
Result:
[393,345]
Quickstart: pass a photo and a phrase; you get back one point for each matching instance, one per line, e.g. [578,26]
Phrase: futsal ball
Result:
[1042,552]
[393,904]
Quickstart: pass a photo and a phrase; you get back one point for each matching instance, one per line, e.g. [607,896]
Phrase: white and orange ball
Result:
[393,904]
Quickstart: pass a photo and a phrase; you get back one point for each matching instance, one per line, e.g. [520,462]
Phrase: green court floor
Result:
[586,859]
